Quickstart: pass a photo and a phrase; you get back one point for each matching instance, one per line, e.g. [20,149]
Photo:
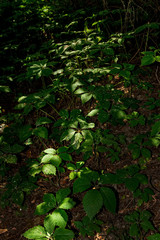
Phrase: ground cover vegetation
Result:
[80,122]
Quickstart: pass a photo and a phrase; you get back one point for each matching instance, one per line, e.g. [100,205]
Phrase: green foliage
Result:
[88,226]
[17,188]
[41,233]
[68,93]
[138,147]
[140,223]
[150,57]
[60,201]
[94,199]
[50,161]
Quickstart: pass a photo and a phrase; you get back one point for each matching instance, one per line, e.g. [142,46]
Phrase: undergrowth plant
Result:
[76,75]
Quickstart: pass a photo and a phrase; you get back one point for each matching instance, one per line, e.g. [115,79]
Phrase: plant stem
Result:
[53,108]
[147,37]
[47,114]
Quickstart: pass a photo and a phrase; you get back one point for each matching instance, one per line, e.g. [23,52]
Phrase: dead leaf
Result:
[3,231]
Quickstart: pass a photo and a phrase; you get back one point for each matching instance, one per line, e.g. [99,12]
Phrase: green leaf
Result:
[61,194]
[80,91]
[5,89]
[41,132]
[157,58]
[24,132]
[65,156]
[155,128]
[47,72]
[72,175]
[67,203]
[108,51]
[110,178]
[131,183]
[147,225]
[86,97]
[71,166]
[93,113]
[54,159]
[136,153]
[49,223]
[134,230]
[60,218]
[147,60]
[141,178]
[103,116]
[125,73]
[81,184]
[63,234]
[92,202]
[109,199]
[48,204]
[37,232]
[16,148]
[49,169]
[154,237]
[43,120]
[18,197]
[50,151]
[144,215]
[68,134]
[146,153]
[12,159]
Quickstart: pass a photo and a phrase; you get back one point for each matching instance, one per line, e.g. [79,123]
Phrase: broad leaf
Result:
[37,232]
[61,194]
[41,132]
[147,60]
[65,156]
[134,230]
[12,159]
[63,234]
[147,225]
[48,204]
[50,151]
[43,120]
[18,197]
[109,199]
[50,158]
[81,184]
[136,153]
[60,218]
[155,128]
[103,116]
[67,203]
[92,203]
[49,169]
[154,237]
[49,223]
[68,134]
[131,183]
[86,97]
[146,153]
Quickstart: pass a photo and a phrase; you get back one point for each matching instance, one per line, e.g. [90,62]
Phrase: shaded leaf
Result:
[92,202]
[109,199]
[63,234]
[41,132]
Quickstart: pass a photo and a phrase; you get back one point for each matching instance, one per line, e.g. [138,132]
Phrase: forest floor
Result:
[15,220]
